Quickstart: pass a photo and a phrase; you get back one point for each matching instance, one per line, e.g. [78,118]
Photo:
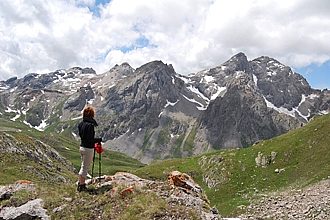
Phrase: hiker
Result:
[88,140]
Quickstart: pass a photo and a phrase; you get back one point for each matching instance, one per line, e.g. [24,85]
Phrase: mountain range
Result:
[152,112]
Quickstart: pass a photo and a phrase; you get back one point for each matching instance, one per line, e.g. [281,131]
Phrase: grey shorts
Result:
[86,159]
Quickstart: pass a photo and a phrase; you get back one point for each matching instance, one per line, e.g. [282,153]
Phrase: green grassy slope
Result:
[304,154]
[65,144]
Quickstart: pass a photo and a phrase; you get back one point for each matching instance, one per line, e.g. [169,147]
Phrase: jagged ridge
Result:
[153,112]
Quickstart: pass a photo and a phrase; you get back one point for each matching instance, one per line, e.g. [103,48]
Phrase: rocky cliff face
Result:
[154,113]
[262,99]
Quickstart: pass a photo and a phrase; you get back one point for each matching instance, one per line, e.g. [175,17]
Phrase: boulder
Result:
[183,180]
[30,210]
[265,160]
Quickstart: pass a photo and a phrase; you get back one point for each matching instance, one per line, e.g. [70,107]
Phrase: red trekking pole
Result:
[98,148]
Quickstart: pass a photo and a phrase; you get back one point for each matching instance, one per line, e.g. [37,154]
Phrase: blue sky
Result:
[192,35]
[318,75]
[97,2]
[95,8]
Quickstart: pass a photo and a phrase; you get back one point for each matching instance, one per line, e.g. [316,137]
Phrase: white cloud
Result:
[45,35]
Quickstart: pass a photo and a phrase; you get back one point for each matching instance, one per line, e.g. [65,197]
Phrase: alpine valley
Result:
[152,112]
[245,139]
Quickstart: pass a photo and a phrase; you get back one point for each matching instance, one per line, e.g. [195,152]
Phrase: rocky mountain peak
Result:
[269,67]
[238,62]
[79,70]
[125,64]
[11,80]
[279,83]
[264,59]
[155,66]
[158,76]
[124,69]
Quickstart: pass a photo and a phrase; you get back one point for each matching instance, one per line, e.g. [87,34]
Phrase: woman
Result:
[86,133]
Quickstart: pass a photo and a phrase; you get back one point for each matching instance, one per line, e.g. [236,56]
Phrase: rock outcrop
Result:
[265,160]
[179,191]
[32,209]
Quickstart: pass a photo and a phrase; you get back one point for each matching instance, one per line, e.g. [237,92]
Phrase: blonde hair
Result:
[89,112]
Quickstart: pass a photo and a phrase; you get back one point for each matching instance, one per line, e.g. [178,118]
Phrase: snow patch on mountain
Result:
[173,80]
[76,118]
[220,92]
[170,103]
[301,115]
[208,78]
[324,112]
[16,117]
[313,96]
[42,125]
[184,79]
[292,112]
[271,73]
[8,110]
[28,124]
[281,109]
[70,81]
[5,87]
[196,91]
[13,89]
[200,107]
[291,72]
[303,99]
[90,101]
[255,80]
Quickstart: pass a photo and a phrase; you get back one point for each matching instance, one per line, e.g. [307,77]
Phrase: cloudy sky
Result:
[45,35]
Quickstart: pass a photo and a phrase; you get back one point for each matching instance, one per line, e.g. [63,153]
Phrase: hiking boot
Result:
[82,188]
